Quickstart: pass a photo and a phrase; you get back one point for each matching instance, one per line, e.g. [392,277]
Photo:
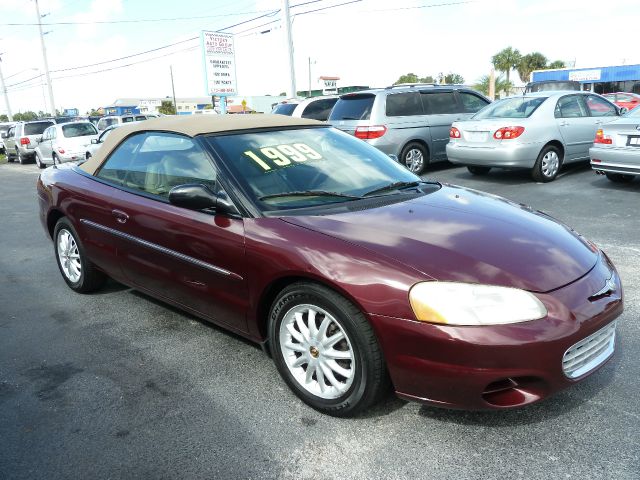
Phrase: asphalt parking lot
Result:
[117,385]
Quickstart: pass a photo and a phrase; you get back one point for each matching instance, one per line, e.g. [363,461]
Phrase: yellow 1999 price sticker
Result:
[283,155]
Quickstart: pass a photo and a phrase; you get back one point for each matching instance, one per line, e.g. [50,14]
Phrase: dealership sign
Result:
[585,75]
[218,54]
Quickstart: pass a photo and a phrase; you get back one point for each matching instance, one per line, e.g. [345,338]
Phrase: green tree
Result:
[506,60]
[529,63]
[4,118]
[453,78]
[501,84]
[557,64]
[413,78]
[25,116]
[167,108]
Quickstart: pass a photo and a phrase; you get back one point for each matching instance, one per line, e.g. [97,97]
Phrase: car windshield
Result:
[284,108]
[71,130]
[552,86]
[36,128]
[515,107]
[307,167]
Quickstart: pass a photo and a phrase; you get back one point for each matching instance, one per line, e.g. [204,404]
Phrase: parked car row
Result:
[550,125]
[57,140]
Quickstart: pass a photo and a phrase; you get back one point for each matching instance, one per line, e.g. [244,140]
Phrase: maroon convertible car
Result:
[349,269]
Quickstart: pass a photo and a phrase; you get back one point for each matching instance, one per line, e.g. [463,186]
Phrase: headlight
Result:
[469,304]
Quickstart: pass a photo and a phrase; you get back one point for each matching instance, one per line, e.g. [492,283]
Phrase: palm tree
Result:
[529,63]
[557,64]
[506,60]
[501,84]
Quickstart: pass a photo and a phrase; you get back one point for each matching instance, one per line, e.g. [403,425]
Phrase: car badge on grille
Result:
[608,288]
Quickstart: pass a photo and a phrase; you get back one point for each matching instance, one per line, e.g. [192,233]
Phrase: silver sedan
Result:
[539,131]
[616,150]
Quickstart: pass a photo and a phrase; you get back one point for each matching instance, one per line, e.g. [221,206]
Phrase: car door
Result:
[601,110]
[10,141]
[192,258]
[44,147]
[442,110]
[576,126]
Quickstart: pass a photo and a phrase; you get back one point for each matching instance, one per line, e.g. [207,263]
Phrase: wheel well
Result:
[272,290]
[419,141]
[52,219]
[556,144]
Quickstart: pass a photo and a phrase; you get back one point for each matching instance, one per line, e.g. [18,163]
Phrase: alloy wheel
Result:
[317,351]
[69,256]
[414,160]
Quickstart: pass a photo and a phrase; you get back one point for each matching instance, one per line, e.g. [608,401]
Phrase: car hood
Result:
[459,234]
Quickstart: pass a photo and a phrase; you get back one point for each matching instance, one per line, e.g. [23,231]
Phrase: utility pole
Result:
[4,91]
[173,89]
[286,21]
[310,63]
[52,103]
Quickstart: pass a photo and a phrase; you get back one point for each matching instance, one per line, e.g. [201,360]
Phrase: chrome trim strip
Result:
[161,249]
[590,352]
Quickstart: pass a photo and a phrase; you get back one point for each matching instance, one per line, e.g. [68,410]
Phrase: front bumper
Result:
[616,160]
[496,367]
[505,154]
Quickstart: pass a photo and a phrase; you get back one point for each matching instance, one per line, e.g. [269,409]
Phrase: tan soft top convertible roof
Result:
[191,125]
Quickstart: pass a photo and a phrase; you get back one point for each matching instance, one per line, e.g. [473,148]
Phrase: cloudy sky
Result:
[367,42]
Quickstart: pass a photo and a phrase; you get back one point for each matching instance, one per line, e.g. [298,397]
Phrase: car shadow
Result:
[521,176]
[111,286]
[603,183]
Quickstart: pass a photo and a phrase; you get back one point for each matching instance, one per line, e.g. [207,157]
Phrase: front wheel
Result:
[547,164]
[415,157]
[620,177]
[39,162]
[76,269]
[326,350]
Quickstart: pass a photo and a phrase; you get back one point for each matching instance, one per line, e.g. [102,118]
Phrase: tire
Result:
[475,170]
[547,165]
[21,159]
[76,269]
[620,177]
[39,162]
[415,157]
[353,370]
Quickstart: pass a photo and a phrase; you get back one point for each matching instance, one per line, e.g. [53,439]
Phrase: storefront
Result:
[621,78]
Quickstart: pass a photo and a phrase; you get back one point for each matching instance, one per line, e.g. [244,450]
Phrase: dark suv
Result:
[411,122]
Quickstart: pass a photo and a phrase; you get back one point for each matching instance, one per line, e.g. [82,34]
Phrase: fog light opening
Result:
[513,391]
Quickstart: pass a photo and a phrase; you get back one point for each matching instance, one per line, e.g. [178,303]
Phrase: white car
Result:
[315,108]
[66,142]
[96,143]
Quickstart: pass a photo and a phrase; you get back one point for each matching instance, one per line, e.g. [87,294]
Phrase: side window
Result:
[127,119]
[46,134]
[53,134]
[140,118]
[570,106]
[155,162]
[624,98]
[600,107]
[12,132]
[471,103]
[437,103]
[404,104]
[319,109]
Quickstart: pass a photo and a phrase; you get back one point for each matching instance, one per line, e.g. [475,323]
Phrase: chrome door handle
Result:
[121,217]
[598,122]
[564,124]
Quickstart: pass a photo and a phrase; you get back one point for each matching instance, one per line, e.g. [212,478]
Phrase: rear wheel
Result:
[326,350]
[475,170]
[76,269]
[21,158]
[547,165]
[415,157]
[620,177]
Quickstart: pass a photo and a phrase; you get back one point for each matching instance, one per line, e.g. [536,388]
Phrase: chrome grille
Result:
[589,352]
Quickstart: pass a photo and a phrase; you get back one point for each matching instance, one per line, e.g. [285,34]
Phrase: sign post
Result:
[218,56]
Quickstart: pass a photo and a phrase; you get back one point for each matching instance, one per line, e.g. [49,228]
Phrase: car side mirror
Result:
[623,110]
[38,138]
[195,196]
[4,135]
[94,141]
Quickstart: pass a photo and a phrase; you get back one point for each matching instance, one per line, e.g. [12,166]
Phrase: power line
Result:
[139,20]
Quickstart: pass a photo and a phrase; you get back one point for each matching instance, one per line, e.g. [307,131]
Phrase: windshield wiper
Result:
[394,186]
[309,193]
